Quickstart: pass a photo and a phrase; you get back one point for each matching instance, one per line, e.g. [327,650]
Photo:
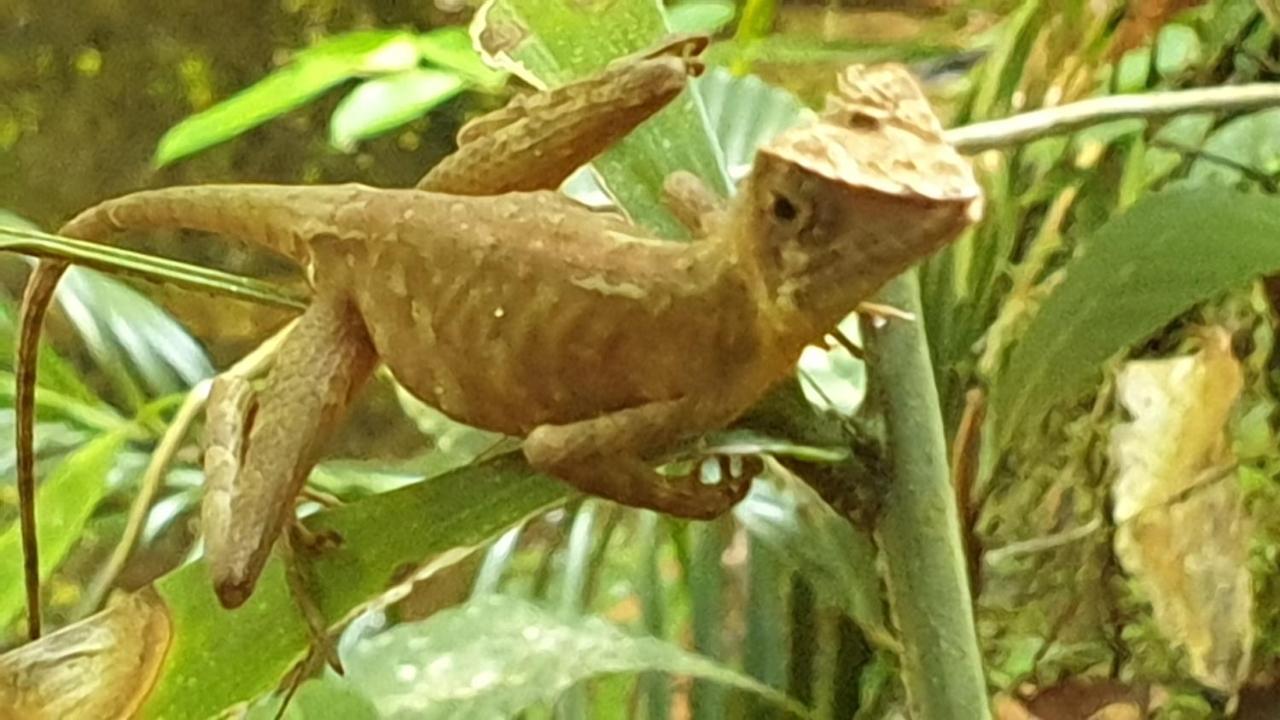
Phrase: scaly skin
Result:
[526,314]
[535,143]
[538,140]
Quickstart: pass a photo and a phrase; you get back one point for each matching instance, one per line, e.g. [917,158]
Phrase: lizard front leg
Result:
[321,364]
[694,204]
[606,456]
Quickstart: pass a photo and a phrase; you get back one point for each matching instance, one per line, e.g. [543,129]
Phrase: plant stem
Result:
[119,261]
[1036,124]
[918,527]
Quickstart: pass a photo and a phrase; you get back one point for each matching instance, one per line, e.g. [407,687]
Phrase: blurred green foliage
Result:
[1114,242]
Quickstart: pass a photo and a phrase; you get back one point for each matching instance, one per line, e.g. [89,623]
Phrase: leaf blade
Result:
[312,72]
[385,103]
[1135,273]
[521,657]
[64,504]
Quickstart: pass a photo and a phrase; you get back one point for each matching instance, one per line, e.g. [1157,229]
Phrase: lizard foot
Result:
[691,496]
[313,542]
[605,456]
[630,481]
[299,538]
[320,497]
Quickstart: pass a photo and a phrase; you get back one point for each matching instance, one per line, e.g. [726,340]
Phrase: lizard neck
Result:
[799,295]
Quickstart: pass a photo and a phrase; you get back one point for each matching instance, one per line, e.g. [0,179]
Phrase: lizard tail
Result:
[35,304]
[280,218]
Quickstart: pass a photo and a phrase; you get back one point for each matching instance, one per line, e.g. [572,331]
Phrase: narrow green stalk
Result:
[651,535]
[918,527]
[708,606]
[119,261]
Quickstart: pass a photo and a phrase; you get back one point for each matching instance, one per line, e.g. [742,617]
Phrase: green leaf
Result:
[746,112]
[1137,272]
[1177,50]
[52,371]
[497,656]
[326,698]
[367,51]
[700,16]
[63,505]
[742,441]
[1251,141]
[562,40]
[450,48]
[124,329]
[220,657]
[387,102]
[836,558]
[311,73]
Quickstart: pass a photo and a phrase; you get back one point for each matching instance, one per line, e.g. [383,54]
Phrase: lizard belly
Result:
[505,349]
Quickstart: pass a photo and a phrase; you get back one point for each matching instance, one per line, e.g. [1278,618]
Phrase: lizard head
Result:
[835,209]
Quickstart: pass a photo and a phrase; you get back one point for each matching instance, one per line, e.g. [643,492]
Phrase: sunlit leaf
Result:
[497,656]
[387,102]
[1140,270]
[807,50]
[124,329]
[700,16]
[310,74]
[1177,50]
[450,48]
[64,503]
[368,51]
[559,41]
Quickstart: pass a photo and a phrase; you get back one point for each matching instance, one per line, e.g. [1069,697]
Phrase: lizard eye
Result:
[783,209]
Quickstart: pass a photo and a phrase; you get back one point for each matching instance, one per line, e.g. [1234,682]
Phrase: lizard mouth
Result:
[232,593]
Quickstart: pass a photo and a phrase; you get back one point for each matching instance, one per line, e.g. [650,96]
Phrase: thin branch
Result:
[119,261]
[1037,124]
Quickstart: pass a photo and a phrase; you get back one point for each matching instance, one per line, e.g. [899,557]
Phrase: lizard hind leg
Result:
[694,204]
[320,366]
[604,456]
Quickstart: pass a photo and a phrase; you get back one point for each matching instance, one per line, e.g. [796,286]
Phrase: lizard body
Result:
[534,143]
[527,314]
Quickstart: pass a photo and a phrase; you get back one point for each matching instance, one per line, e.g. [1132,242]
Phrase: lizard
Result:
[535,142]
[604,346]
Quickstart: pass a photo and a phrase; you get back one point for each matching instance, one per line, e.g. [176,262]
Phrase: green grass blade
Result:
[118,261]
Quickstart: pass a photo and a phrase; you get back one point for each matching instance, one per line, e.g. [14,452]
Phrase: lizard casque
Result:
[600,346]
